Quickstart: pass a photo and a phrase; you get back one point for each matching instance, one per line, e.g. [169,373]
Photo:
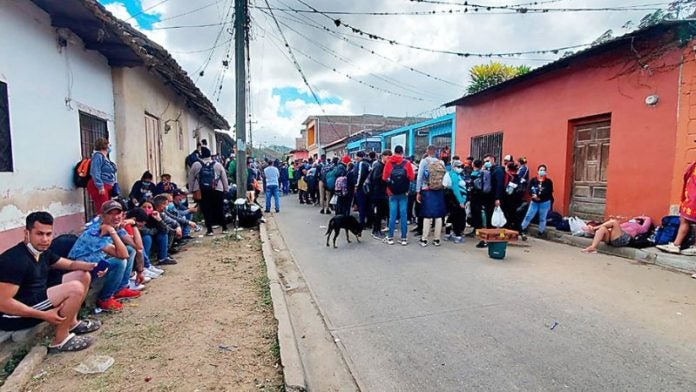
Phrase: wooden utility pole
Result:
[240,36]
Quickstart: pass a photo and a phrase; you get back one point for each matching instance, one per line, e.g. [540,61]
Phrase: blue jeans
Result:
[186,229]
[543,210]
[272,190]
[398,204]
[119,271]
[286,187]
[162,242]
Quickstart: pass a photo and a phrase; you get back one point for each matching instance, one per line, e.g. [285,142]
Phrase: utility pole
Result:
[240,21]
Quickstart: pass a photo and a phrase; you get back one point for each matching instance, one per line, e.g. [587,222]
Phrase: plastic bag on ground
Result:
[576,226]
[95,364]
[498,219]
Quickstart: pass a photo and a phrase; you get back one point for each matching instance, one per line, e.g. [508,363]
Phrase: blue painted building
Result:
[416,137]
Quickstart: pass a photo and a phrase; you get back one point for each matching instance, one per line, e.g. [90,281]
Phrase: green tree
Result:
[484,76]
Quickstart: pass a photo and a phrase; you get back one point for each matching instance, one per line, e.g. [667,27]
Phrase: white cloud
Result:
[119,10]
[270,67]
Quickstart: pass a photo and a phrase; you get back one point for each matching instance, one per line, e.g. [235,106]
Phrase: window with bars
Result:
[6,162]
[91,129]
[491,143]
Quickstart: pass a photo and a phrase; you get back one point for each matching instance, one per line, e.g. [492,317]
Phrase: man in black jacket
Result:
[379,203]
[362,169]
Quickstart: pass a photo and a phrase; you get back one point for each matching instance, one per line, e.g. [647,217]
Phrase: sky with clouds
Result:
[351,73]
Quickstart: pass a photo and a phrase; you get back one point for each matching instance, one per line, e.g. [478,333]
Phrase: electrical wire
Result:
[299,69]
[145,10]
[344,38]
[191,11]
[523,10]
[200,50]
[201,70]
[376,37]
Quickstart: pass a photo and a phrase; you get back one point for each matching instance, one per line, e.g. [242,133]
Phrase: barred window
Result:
[6,163]
[491,143]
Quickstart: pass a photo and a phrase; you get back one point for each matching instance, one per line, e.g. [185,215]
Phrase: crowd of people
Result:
[434,192]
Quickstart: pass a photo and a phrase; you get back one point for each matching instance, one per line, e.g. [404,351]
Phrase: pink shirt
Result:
[634,228]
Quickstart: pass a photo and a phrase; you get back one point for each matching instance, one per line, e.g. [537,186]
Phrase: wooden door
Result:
[591,159]
[91,129]
[153,145]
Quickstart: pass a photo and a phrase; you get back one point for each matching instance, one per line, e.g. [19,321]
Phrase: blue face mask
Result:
[542,173]
[487,165]
[170,206]
[146,183]
[109,150]
[475,172]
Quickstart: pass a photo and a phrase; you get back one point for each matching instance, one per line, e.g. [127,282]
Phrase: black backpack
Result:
[398,179]
[206,177]
[81,174]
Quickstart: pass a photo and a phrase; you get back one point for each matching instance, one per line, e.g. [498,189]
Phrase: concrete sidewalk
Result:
[647,255]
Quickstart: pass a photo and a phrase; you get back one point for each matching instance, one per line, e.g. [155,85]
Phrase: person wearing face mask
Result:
[182,219]
[455,196]
[103,183]
[153,232]
[142,190]
[541,191]
[165,185]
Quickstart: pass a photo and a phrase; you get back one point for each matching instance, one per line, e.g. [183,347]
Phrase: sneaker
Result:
[423,243]
[277,211]
[209,234]
[436,242]
[482,244]
[377,235]
[458,239]
[167,261]
[693,276]
[267,211]
[150,275]
[322,211]
[523,235]
[126,293]
[404,242]
[388,241]
[153,269]
[669,248]
[690,251]
[135,287]
[110,305]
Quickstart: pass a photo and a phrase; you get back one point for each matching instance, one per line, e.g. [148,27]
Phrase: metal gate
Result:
[491,143]
[91,129]
[6,164]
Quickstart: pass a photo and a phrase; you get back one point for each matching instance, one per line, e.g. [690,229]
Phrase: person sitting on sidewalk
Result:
[105,239]
[141,217]
[142,190]
[25,299]
[165,185]
[182,218]
[617,234]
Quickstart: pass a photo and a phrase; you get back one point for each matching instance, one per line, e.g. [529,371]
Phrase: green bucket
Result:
[496,250]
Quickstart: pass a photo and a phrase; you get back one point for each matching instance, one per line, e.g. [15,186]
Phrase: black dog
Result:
[349,223]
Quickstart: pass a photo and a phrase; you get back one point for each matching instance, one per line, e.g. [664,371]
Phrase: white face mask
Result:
[458,169]
[33,250]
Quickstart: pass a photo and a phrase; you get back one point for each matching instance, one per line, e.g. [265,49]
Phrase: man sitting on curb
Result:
[25,299]
[105,239]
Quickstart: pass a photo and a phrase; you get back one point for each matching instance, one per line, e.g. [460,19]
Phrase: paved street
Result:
[451,319]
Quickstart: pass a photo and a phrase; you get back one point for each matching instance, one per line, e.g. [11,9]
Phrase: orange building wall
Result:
[536,121]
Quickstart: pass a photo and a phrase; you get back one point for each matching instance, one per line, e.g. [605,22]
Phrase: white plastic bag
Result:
[576,226]
[498,219]
[334,200]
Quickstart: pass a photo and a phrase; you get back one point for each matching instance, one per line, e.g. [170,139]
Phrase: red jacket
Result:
[396,160]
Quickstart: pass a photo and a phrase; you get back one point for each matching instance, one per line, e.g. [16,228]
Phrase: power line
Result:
[342,36]
[191,11]
[358,31]
[191,26]
[523,10]
[299,69]
[201,70]
[200,50]
[146,9]
[394,82]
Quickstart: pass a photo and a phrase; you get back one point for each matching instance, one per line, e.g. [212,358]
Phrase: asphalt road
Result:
[452,319]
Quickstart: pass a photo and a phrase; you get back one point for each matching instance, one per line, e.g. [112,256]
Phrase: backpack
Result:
[642,240]
[436,172]
[341,186]
[206,176]
[482,183]
[398,179]
[668,231]
[331,178]
[81,174]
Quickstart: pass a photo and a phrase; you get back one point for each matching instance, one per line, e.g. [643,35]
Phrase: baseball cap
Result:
[111,205]
[179,192]
[508,157]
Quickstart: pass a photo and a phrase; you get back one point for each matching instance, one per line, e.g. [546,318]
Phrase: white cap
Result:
[507,157]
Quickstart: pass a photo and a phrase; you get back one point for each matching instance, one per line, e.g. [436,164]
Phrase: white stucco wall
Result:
[47,88]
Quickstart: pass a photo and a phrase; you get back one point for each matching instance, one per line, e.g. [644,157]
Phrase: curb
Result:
[24,371]
[683,264]
[293,371]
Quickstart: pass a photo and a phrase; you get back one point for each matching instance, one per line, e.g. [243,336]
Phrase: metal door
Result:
[153,145]
[590,162]
[91,129]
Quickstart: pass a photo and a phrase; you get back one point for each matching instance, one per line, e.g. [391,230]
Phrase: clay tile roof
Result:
[125,46]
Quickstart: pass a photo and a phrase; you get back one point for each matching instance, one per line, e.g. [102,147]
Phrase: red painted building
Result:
[615,123]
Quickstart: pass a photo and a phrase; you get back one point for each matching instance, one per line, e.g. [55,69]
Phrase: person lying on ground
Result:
[25,299]
[105,240]
[616,233]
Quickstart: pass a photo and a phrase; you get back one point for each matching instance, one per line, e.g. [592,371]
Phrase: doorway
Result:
[153,145]
[590,161]
[91,129]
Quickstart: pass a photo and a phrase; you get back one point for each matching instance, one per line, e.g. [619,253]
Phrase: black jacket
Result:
[543,189]
[378,188]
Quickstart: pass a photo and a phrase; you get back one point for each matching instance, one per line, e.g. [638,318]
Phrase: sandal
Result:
[85,326]
[70,344]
